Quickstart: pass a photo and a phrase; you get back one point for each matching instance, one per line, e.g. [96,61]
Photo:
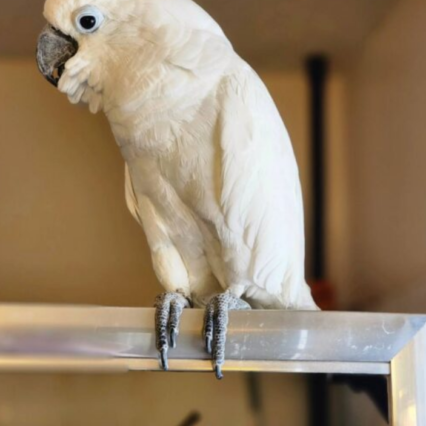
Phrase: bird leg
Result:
[169,307]
[216,326]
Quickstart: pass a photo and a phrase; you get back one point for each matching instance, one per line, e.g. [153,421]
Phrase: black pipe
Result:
[317,73]
[317,67]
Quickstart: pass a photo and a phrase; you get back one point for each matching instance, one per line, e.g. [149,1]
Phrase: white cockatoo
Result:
[209,167]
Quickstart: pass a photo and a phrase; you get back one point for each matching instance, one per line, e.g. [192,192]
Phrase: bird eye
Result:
[88,20]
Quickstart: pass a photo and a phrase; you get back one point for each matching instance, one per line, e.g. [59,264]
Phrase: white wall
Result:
[386,162]
[386,170]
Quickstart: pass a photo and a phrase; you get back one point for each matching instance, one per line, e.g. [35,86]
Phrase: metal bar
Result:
[408,384]
[118,340]
[122,365]
[36,364]
[276,341]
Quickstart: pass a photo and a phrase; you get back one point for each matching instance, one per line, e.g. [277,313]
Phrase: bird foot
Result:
[216,326]
[169,308]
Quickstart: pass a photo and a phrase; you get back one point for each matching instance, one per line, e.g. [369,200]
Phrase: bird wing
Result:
[260,190]
[131,200]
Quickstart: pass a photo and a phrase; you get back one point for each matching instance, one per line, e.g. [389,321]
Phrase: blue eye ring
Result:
[88,20]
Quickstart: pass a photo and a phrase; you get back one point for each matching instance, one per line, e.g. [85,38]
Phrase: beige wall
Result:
[386,83]
[65,233]
[66,237]
[337,194]
[145,399]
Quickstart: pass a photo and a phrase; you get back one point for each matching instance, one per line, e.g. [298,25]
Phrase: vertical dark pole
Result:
[317,73]
[317,70]
[255,398]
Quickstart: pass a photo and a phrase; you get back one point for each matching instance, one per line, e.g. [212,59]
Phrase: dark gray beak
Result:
[54,48]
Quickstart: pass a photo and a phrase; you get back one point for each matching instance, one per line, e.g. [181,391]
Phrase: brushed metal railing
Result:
[101,339]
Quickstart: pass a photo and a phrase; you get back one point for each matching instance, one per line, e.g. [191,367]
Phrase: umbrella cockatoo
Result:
[209,167]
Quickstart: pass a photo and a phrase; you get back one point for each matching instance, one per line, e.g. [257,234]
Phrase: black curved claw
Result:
[173,338]
[164,360]
[169,308]
[216,324]
[218,372]
[209,341]
[208,327]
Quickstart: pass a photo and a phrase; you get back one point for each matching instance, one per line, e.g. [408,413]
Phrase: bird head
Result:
[90,46]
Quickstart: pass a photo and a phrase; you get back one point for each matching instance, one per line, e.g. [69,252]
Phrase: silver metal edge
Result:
[96,365]
[273,336]
[407,386]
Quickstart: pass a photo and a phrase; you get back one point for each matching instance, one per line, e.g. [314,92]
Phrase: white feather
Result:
[210,171]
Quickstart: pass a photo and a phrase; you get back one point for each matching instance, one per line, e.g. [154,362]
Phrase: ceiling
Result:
[268,33]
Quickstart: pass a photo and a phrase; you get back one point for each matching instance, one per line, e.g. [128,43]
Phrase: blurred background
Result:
[66,235]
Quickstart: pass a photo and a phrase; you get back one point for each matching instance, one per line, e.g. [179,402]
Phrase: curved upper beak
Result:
[54,49]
